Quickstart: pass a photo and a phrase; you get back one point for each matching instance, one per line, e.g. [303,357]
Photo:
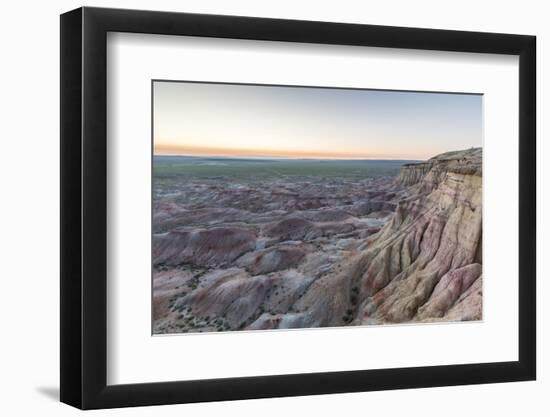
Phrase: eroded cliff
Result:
[425,263]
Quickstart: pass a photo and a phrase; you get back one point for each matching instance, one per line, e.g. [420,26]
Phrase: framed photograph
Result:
[257,208]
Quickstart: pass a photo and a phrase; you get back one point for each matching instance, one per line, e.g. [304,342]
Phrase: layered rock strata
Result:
[388,250]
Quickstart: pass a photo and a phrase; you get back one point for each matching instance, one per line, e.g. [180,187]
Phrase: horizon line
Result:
[296,158]
[163,149]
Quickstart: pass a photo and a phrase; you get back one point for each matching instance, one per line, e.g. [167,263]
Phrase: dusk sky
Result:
[269,121]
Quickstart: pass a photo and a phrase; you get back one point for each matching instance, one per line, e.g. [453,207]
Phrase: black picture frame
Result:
[84,207]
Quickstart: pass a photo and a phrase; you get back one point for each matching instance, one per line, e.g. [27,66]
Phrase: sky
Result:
[208,119]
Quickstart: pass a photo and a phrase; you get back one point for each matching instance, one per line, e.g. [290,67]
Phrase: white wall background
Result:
[29,224]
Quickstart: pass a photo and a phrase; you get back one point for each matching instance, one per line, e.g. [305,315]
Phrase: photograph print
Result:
[291,207]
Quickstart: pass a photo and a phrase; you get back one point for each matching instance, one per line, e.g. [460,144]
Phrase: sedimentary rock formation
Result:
[295,253]
[424,261]
[216,246]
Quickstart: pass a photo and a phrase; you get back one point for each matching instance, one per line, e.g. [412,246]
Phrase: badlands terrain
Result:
[249,244]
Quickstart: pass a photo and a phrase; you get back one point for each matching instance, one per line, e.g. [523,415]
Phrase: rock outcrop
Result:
[208,247]
[422,263]
[434,170]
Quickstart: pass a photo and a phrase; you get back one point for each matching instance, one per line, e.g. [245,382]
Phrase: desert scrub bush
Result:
[347,319]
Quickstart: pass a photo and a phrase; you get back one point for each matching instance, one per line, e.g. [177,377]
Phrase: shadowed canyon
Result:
[279,244]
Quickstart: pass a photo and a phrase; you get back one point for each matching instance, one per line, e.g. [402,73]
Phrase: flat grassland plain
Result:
[250,169]
[265,243]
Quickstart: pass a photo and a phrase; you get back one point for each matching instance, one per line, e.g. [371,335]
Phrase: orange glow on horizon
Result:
[166,149]
[235,120]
